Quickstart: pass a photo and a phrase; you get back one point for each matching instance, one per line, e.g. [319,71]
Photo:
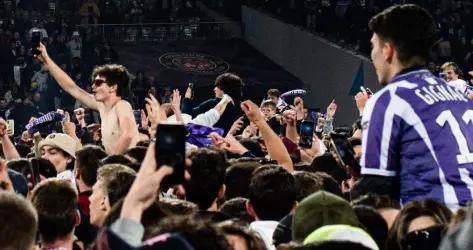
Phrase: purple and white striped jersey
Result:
[421,129]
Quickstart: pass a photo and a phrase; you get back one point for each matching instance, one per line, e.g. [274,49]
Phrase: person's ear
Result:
[388,51]
[221,192]
[250,210]
[114,88]
[104,204]
[77,218]
[77,173]
[293,209]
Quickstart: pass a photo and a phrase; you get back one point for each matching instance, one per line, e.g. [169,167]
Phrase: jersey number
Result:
[465,155]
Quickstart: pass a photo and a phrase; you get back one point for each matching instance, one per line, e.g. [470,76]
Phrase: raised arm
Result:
[276,149]
[176,105]
[66,83]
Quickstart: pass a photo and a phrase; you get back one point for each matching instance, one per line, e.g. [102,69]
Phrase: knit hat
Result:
[320,209]
[341,233]
[61,141]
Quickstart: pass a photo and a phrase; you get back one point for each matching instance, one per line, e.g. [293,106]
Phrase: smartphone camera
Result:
[170,150]
[306,134]
[35,40]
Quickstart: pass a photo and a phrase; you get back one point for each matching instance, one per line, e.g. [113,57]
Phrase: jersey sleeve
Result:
[380,137]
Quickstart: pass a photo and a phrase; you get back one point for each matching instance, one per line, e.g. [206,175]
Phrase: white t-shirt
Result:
[265,229]
[459,84]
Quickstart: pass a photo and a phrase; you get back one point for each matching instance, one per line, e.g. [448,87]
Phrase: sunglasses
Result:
[428,238]
[98,82]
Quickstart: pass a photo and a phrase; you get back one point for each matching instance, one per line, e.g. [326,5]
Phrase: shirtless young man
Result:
[119,129]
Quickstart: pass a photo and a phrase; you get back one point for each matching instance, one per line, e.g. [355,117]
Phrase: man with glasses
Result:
[119,129]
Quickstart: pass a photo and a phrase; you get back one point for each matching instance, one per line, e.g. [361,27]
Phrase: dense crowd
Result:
[228,173]
[26,88]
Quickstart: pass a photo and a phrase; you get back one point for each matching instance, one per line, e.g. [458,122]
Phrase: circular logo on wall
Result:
[194,63]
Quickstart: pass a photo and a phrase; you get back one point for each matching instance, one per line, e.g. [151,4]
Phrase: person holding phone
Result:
[119,129]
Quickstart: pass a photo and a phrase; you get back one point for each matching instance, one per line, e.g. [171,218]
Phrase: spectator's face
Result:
[218,92]
[268,112]
[450,74]
[273,98]
[56,157]
[420,223]
[99,205]
[379,60]
[3,104]
[100,89]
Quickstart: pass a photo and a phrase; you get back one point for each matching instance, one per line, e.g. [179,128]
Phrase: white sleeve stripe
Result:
[367,113]
[374,171]
[366,117]
[387,131]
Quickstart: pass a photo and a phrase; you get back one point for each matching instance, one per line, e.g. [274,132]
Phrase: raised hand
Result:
[236,126]
[145,188]
[144,119]
[3,128]
[68,127]
[361,98]
[252,111]
[228,143]
[153,108]
[332,109]
[188,94]
[176,100]
[43,55]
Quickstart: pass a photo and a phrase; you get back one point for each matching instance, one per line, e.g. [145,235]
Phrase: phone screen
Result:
[35,40]
[11,125]
[306,134]
[170,150]
[344,150]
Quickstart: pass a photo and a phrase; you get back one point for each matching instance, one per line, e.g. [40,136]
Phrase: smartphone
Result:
[344,150]
[35,173]
[306,134]
[11,125]
[171,150]
[35,40]
[191,86]
[367,90]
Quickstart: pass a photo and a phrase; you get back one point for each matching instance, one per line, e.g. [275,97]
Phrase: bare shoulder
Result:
[123,106]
